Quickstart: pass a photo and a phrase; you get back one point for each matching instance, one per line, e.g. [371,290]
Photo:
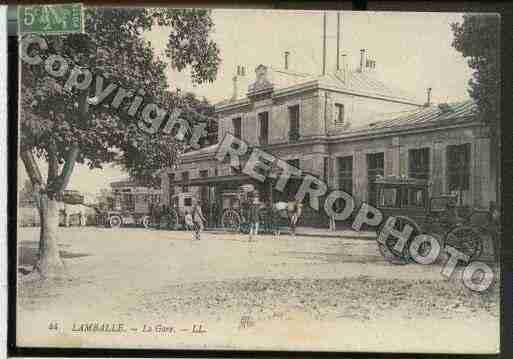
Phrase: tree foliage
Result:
[143,155]
[60,125]
[477,38]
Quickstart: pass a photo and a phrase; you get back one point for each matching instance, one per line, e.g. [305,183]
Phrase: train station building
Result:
[345,127]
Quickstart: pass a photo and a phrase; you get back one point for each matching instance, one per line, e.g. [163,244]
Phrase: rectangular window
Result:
[389,197]
[345,174]
[293,123]
[375,165]
[419,163]
[237,129]
[185,180]
[128,203]
[326,168]
[458,167]
[263,119]
[416,198]
[339,114]
[375,168]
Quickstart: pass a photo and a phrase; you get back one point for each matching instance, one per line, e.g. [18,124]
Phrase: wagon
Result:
[173,218]
[235,215]
[235,204]
[116,219]
[127,205]
[407,200]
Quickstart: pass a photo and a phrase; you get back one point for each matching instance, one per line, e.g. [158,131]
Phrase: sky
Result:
[412,52]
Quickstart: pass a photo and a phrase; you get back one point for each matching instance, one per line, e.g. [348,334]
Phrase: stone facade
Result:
[324,138]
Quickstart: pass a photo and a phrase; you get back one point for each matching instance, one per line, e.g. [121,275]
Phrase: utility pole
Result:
[338,40]
[324,47]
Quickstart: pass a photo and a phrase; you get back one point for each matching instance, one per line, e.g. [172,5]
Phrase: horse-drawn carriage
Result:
[172,217]
[408,201]
[118,218]
[127,205]
[236,213]
[236,206]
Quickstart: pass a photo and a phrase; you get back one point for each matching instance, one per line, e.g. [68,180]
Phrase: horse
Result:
[75,210]
[291,210]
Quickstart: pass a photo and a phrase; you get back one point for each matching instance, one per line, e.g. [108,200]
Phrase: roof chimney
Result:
[286,66]
[428,102]
[344,67]
[241,72]
[235,90]
[370,64]
[362,60]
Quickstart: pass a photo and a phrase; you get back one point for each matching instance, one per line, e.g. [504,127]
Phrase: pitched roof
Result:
[367,83]
[350,81]
[282,78]
[434,114]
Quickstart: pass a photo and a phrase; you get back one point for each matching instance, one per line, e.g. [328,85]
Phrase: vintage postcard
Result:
[258,180]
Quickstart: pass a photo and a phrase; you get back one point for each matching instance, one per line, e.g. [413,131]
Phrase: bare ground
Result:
[138,277]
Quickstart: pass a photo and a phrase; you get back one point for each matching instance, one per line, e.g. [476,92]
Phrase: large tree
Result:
[477,38]
[65,125]
[27,195]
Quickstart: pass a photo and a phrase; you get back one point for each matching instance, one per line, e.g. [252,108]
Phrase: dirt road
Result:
[225,292]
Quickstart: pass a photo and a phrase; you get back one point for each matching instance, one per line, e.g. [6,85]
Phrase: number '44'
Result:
[53,326]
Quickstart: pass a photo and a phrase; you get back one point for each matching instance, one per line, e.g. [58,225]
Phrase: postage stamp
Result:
[50,19]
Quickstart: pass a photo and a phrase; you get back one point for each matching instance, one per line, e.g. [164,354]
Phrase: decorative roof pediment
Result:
[262,83]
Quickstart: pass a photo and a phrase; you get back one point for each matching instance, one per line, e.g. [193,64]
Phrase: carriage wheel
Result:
[465,239]
[245,227]
[169,220]
[387,249]
[115,221]
[231,220]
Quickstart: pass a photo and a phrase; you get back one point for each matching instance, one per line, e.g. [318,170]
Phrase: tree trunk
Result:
[49,264]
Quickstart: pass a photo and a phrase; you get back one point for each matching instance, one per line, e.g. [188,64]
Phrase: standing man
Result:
[333,224]
[189,223]
[295,209]
[198,218]
[254,216]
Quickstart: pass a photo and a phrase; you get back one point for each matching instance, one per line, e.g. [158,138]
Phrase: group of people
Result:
[195,219]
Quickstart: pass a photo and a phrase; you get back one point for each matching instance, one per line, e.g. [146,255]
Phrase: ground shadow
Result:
[28,254]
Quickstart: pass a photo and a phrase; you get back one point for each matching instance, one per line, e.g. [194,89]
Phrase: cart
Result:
[235,205]
[235,215]
[407,200]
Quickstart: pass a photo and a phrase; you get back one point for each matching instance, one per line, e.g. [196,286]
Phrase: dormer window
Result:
[339,114]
